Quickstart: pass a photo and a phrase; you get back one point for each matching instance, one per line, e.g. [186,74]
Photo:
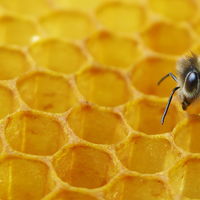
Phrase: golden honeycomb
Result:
[80,108]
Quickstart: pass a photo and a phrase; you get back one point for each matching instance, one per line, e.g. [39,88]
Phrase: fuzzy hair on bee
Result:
[188,81]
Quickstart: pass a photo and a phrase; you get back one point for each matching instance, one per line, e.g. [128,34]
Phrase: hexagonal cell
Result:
[35,8]
[70,195]
[148,155]
[145,115]
[116,16]
[8,103]
[113,50]
[189,9]
[24,178]
[167,38]
[97,125]
[46,92]
[13,62]
[68,24]
[134,187]
[104,86]
[77,4]
[186,134]
[35,133]
[146,74]
[58,55]
[84,166]
[17,30]
[184,178]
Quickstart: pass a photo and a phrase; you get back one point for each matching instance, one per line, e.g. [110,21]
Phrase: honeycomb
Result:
[80,109]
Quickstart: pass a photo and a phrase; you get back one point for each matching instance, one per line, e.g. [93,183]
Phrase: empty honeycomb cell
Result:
[13,62]
[104,86]
[84,166]
[97,125]
[184,178]
[58,55]
[17,30]
[147,154]
[68,24]
[46,92]
[131,187]
[8,103]
[186,135]
[146,74]
[71,195]
[34,133]
[145,114]
[24,179]
[33,8]
[116,16]
[169,8]
[167,38]
[113,50]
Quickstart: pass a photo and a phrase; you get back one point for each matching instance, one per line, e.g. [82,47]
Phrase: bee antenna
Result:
[170,74]
[168,103]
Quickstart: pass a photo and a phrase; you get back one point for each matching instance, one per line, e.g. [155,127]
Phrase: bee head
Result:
[188,76]
[188,80]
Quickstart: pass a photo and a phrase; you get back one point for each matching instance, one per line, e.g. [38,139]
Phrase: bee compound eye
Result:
[191,81]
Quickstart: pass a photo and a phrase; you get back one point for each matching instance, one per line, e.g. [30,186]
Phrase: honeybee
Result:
[188,78]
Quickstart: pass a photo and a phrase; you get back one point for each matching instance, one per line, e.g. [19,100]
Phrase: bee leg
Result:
[170,74]
[168,103]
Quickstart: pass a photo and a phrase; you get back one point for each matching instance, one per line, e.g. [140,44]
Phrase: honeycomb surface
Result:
[80,108]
